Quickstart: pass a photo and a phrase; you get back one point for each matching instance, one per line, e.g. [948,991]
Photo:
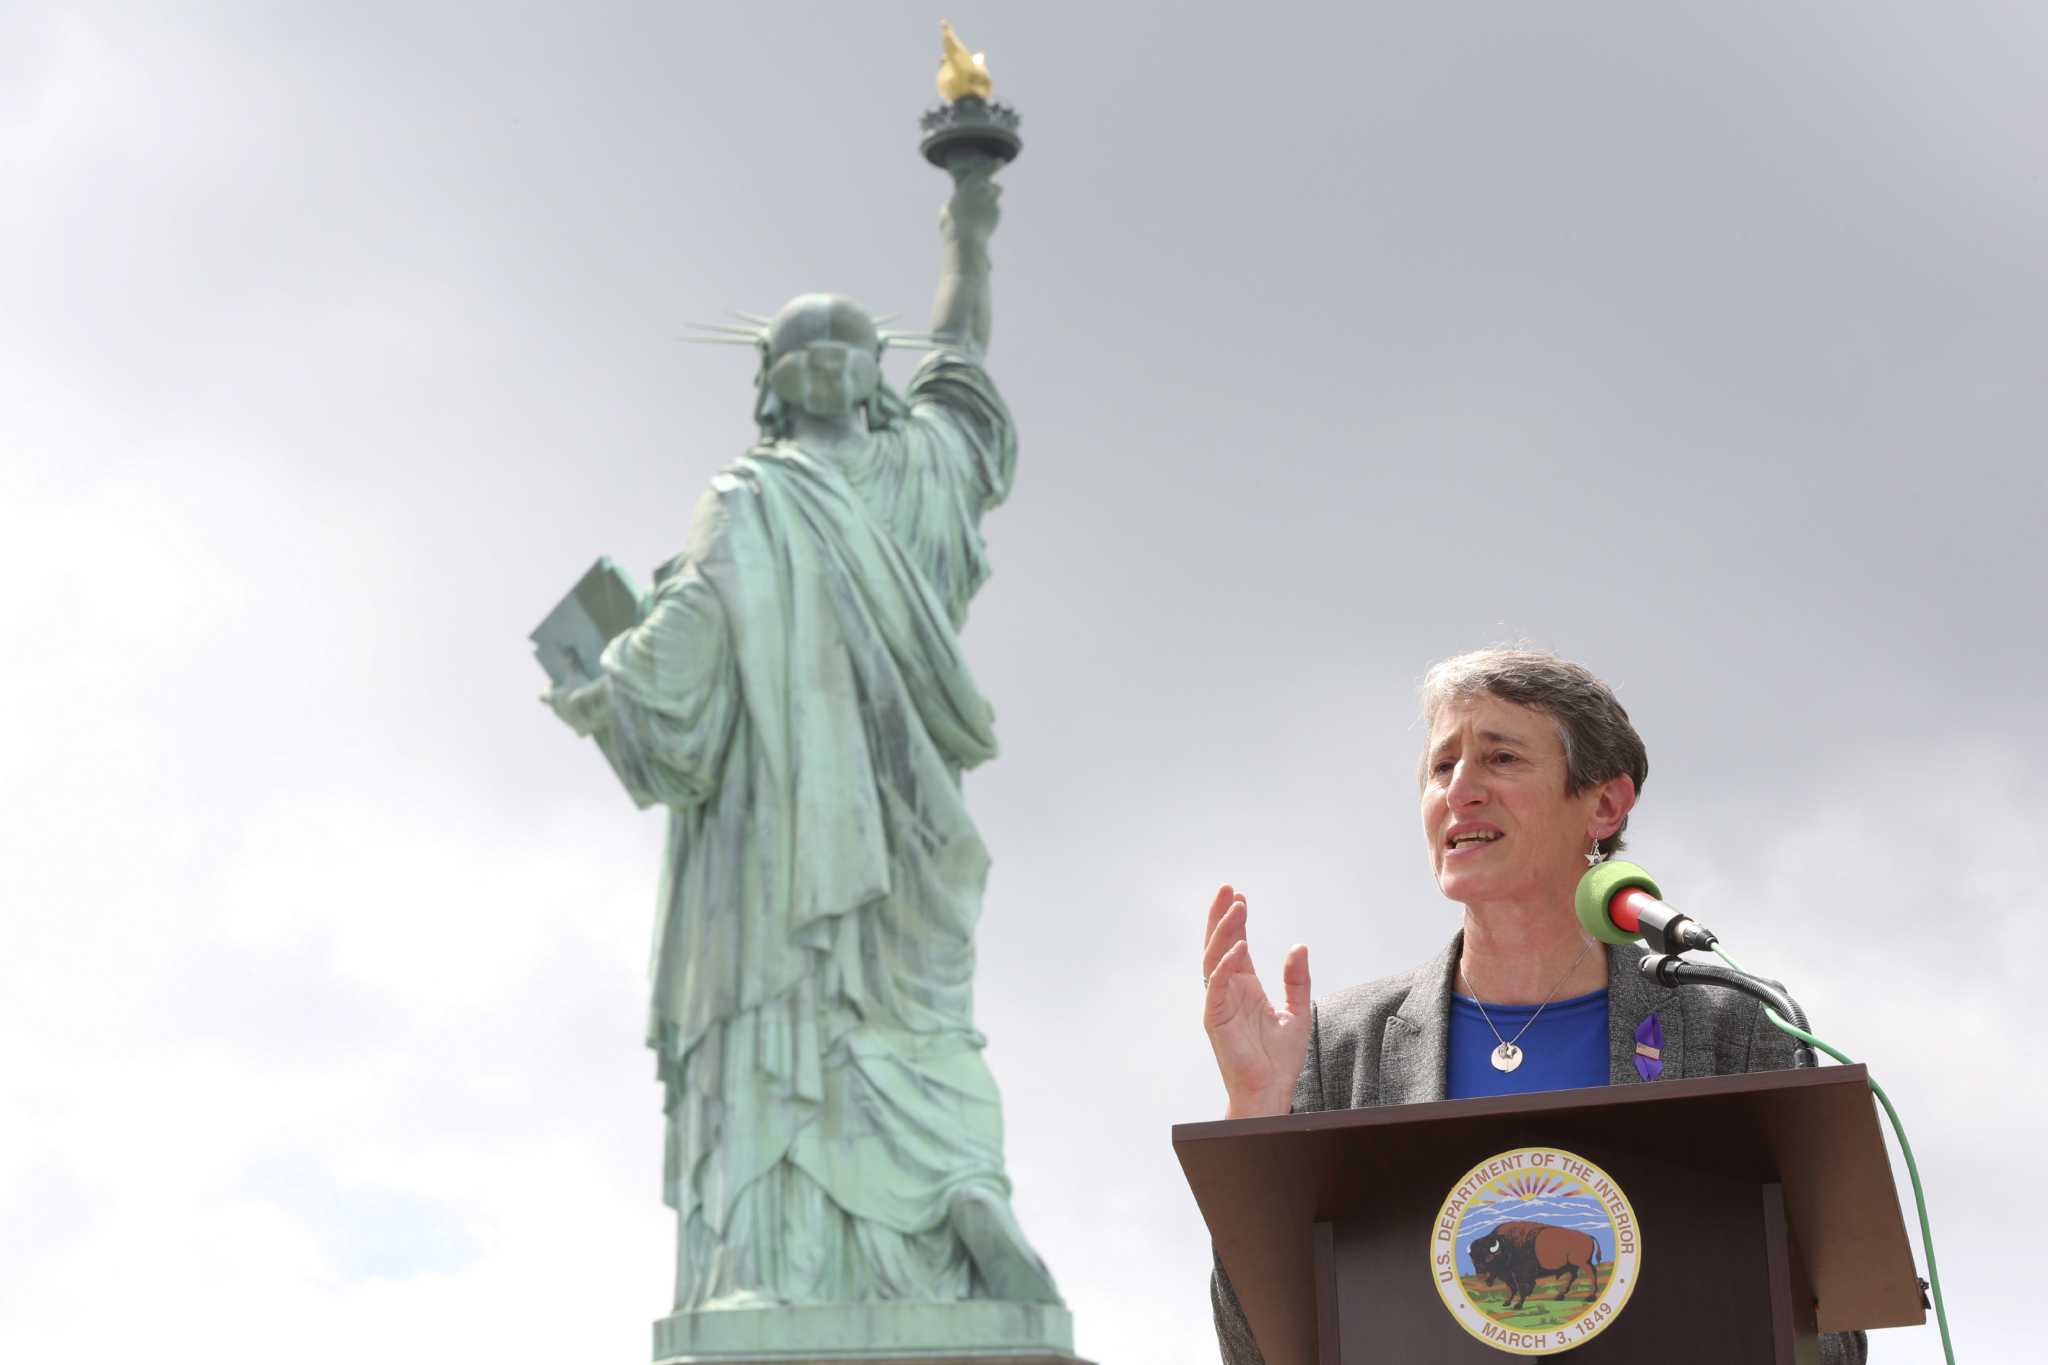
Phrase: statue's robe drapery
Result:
[797,696]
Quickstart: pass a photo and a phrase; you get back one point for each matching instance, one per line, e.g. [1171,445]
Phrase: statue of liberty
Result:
[794,692]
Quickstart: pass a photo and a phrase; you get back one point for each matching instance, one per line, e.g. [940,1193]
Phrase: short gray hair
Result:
[1599,742]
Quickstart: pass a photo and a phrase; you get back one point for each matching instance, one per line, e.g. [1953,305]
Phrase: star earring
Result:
[1594,857]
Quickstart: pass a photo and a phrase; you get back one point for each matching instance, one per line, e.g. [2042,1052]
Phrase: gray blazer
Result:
[1386,1042]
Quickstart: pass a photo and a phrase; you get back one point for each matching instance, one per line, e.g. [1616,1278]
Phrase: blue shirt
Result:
[1564,1049]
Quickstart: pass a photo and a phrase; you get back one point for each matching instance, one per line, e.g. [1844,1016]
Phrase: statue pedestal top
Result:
[980,1331]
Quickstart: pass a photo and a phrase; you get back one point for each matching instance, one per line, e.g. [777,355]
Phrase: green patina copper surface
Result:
[795,694]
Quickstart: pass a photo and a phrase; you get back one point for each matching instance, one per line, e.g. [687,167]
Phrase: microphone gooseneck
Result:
[1673,971]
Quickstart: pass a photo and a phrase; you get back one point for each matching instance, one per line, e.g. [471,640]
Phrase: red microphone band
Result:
[1626,909]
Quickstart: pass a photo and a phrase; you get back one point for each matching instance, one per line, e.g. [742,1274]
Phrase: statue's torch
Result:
[969,129]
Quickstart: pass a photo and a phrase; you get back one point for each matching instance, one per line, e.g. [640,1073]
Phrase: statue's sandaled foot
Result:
[1005,1261]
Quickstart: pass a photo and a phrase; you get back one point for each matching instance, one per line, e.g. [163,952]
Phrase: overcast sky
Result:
[1703,343]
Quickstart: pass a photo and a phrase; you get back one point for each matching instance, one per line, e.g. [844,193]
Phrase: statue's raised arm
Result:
[960,314]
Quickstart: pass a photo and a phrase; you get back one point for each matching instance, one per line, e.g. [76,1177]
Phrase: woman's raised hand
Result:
[1259,1049]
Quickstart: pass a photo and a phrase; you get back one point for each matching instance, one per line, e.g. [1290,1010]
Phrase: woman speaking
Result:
[1528,776]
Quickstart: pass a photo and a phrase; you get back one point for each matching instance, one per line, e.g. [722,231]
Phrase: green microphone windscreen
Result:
[1597,888]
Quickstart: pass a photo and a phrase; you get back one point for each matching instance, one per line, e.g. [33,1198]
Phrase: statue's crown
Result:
[810,318]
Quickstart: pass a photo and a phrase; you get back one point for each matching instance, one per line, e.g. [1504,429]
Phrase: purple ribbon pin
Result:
[1650,1047]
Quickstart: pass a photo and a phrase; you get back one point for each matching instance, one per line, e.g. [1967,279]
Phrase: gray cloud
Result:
[1702,344]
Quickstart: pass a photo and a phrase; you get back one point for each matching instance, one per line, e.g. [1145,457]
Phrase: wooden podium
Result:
[1765,1203]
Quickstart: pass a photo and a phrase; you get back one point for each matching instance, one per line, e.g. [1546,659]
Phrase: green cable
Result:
[1899,1131]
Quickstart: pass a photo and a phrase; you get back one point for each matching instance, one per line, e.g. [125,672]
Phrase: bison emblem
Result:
[1518,1253]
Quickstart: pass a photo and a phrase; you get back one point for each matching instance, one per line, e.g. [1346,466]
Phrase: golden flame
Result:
[962,73]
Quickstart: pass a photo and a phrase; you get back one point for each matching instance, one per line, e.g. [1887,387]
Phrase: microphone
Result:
[1618,903]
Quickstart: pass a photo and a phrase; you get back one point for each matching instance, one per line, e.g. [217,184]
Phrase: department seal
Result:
[1535,1251]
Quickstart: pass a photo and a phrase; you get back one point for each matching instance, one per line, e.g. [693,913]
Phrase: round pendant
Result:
[1506,1057]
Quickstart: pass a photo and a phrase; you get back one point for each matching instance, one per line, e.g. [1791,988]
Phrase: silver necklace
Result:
[1507,1056]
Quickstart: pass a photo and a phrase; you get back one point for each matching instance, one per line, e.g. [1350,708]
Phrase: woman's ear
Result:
[1613,800]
